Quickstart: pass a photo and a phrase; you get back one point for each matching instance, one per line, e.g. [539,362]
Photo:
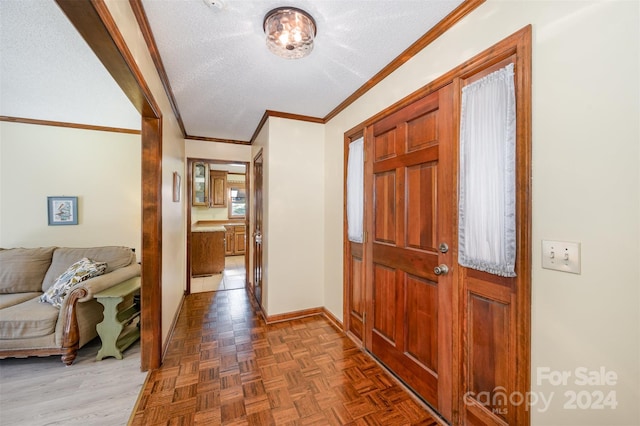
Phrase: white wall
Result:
[294,224]
[207,213]
[173,154]
[101,168]
[585,185]
[217,151]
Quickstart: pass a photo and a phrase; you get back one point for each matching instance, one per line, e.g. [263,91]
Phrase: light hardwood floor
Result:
[233,276]
[42,391]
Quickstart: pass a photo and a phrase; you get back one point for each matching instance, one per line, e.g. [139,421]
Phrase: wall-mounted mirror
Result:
[237,200]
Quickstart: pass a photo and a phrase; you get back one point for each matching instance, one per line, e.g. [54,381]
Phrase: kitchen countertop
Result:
[208,228]
[209,225]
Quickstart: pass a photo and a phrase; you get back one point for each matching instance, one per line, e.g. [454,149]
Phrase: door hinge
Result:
[364,318]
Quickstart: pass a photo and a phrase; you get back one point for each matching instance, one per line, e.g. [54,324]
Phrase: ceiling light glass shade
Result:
[290,32]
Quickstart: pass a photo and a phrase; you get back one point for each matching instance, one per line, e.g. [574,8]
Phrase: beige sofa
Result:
[31,327]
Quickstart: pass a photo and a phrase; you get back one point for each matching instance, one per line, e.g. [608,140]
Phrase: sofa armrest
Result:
[67,331]
[84,291]
[102,282]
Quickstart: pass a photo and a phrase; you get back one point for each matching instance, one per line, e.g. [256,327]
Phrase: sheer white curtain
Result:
[487,239]
[355,190]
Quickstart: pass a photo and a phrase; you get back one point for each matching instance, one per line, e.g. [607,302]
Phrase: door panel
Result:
[411,330]
[490,342]
[384,280]
[489,321]
[258,238]
[421,313]
[421,204]
[422,131]
[356,296]
[385,199]
[385,145]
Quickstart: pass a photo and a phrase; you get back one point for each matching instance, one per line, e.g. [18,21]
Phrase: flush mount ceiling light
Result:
[290,32]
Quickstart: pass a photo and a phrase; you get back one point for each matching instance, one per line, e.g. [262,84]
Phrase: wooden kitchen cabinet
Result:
[235,239]
[207,252]
[229,240]
[218,187]
[239,240]
[200,184]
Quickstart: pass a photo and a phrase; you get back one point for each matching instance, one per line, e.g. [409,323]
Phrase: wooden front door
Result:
[411,204]
[257,228]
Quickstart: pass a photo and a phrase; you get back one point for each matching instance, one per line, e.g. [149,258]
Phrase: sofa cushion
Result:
[28,319]
[80,271]
[11,299]
[22,270]
[114,256]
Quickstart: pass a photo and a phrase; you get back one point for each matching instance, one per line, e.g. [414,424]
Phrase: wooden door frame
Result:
[189,199]
[346,247]
[516,48]
[519,46]
[97,27]
[260,153]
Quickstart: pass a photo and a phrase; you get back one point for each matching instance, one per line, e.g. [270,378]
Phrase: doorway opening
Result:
[217,219]
[231,278]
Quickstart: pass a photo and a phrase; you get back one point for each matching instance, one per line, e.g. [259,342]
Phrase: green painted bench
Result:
[119,328]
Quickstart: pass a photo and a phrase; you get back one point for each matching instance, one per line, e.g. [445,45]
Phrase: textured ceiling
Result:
[47,71]
[222,75]
[224,78]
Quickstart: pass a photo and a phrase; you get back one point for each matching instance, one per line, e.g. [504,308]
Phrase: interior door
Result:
[257,228]
[410,203]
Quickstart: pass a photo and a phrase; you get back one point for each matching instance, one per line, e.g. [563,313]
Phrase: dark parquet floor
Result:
[225,366]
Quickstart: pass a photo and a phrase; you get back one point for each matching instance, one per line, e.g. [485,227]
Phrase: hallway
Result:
[225,366]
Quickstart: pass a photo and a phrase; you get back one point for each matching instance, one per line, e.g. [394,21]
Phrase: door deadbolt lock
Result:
[443,247]
[441,269]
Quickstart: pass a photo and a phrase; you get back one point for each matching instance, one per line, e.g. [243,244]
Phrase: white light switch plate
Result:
[561,255]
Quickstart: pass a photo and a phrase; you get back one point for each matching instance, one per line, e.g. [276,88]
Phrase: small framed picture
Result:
[176,187]
[63,210]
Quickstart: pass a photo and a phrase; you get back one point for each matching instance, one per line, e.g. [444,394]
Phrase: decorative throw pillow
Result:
[80,271]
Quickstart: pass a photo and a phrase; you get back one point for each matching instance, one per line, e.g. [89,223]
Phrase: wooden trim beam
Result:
[294,315]
[333,319]
[68,125]
[262,122]
[172,328]
[206,139]
[94,23]
[295,116]
[147,34]
[270,113]
[151,290]
[449,21]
